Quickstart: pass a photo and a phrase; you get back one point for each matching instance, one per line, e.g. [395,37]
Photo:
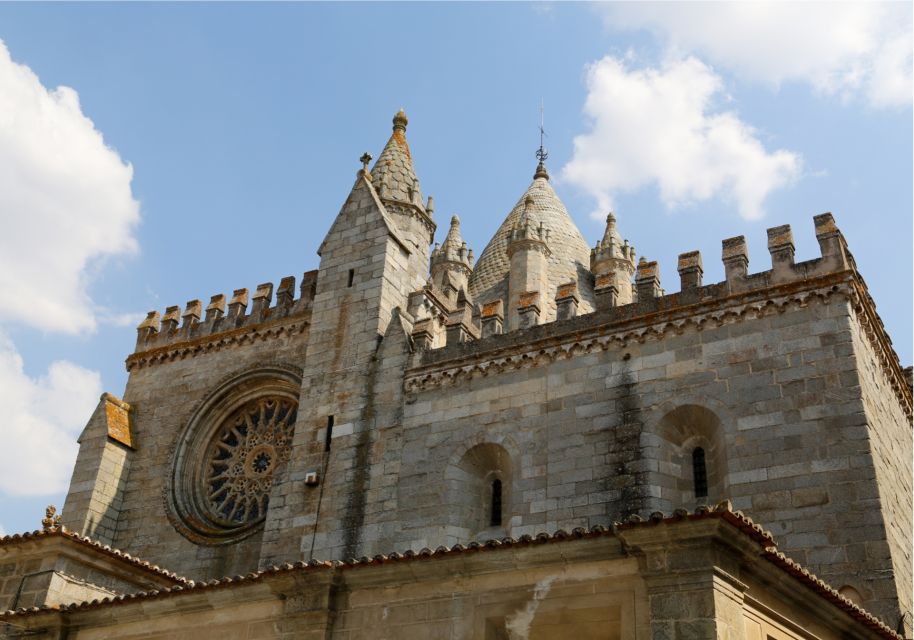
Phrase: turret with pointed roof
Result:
[394,179]
[612,261]
[452,261]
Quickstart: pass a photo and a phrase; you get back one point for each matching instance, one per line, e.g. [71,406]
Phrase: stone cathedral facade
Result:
[543,442]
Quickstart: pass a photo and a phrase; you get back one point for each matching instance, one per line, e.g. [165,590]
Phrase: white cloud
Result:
[42,419]
[119,320]
[659,126]
[65,204]
[845,49]
[65,201]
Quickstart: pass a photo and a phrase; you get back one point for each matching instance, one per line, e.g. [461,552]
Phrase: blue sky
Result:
[243,125]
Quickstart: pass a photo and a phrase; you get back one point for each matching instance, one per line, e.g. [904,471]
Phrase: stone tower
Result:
[375,254]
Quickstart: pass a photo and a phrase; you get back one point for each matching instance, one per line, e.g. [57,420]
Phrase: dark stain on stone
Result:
[631,480]
[354,517]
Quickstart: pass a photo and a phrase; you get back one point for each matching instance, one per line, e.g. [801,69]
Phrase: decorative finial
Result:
[541,153]
[400,120]
[365,159]
[51,520]
[455,221]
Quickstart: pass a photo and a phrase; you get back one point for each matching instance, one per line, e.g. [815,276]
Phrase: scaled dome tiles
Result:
[394,173]
[569,258]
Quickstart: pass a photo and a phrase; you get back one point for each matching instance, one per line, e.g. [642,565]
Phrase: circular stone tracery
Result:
[242,457]
[235,445]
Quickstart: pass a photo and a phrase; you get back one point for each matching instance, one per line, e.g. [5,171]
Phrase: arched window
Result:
[479,492]
[699,472]
[495,520]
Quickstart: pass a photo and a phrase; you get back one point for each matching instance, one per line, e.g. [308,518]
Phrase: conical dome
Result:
[569,257]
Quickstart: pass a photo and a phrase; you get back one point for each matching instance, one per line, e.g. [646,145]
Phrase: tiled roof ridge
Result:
[63,532]
[723,510]
[793,568]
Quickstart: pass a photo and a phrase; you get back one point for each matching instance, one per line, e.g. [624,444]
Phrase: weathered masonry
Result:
[406,396]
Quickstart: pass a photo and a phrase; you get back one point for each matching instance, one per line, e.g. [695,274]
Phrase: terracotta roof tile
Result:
[722,511]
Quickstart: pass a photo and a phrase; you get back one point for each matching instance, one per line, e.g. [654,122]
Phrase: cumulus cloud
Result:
[65,202]
[659,126]
[42,418]
[847,49]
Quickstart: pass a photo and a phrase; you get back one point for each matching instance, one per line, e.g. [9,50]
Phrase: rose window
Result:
[242,459]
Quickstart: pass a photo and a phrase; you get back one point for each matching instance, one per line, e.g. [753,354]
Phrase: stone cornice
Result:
[262,331]
[411,210]
[873,327]
[527,244]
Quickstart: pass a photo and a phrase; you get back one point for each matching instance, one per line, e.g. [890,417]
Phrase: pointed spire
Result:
[453,249]
[541,153]
[609,236]
[612,262]
[612,246]
[452,258]
[394,172]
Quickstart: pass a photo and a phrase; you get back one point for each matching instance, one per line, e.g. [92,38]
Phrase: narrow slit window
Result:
[329,435]
[700,472]
[351,277]
[495,520]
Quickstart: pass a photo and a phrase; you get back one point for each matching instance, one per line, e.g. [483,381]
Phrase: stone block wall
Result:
[167,383]
[608,428]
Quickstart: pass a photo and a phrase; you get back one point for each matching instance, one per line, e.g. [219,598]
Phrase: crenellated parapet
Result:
[655,312]
[244,313]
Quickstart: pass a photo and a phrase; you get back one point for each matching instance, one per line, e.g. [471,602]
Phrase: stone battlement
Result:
[655,312]
[216,320]
[650,297]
